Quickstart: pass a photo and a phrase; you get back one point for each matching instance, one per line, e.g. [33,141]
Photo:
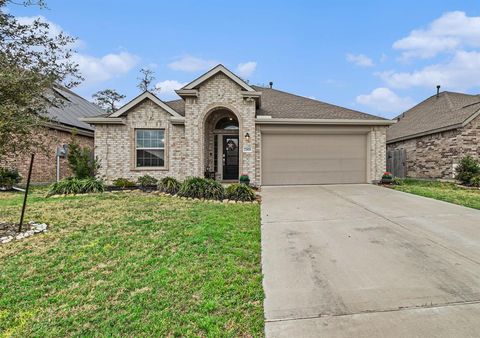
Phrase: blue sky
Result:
[379,57]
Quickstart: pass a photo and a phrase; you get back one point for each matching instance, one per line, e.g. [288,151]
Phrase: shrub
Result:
[467,169]
[73,185]
[240,192]
[193,187]
[123,183]
[81,160]
[475,181]
[213,190]
[147,181]
[9,177]
[397,181]
[169,185]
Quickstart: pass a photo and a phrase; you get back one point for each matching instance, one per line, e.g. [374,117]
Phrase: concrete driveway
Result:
[366,261]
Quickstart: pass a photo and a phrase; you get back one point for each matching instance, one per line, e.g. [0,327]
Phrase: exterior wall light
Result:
[247,137]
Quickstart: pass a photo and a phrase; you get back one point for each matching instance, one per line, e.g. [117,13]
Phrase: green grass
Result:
[448,192]
[132,264]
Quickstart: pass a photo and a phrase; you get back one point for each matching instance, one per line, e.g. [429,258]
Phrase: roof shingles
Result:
[448,110]
[278,104]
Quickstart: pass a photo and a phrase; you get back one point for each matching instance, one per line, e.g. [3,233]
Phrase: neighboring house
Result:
[223,127]
[64,119]
[437,133]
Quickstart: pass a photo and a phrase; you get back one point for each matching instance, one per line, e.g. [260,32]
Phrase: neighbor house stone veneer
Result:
[436,155]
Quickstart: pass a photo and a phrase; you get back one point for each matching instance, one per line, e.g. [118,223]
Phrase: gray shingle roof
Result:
[73,107]
[447,110]
[278,104]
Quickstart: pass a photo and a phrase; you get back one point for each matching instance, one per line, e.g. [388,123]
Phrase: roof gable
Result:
[145,95]
[214,71]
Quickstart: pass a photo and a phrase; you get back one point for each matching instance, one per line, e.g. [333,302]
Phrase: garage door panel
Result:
[313,159]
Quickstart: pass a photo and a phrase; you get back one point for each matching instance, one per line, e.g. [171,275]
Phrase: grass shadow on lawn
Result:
[133,265]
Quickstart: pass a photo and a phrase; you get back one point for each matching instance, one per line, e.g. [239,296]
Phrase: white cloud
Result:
[53,28]
[192,64]
[360,60]
[453,30]
[99,69]
[459,73]
[246,69]
[167,88]
[385,100]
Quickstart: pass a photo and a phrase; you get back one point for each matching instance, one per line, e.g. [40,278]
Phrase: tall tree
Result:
[107,99]
[146,78]
[32,61]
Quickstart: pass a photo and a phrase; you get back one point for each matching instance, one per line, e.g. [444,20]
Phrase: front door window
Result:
[230,157]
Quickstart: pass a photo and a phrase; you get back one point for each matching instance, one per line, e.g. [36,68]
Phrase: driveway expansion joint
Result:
[404,308]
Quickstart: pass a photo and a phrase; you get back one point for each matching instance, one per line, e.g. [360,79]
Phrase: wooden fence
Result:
[397,162]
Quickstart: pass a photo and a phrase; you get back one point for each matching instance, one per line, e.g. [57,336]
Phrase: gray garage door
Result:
[313,159]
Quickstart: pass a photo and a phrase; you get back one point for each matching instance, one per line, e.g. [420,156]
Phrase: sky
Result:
[379,57]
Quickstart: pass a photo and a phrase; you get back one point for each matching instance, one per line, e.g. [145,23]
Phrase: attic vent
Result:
[271,84]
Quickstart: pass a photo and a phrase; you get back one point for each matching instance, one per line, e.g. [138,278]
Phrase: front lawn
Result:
[132,264]
[448,192]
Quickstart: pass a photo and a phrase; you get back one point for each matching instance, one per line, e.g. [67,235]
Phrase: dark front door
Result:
[230,157]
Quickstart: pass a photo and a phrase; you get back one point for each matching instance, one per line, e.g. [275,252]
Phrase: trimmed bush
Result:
[467,169]
[147,181]
[81,160]
[72,185]
[8,178]
[240,192]
[123,183]
[213,190]
[169,185]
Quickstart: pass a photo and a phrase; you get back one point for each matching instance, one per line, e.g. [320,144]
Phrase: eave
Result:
[269,120]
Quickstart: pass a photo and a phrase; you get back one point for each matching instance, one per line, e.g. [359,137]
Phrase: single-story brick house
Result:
[437,133]
[223,127]
[64,118]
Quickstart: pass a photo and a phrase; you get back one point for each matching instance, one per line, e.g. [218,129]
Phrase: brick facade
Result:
[44,169]
[435,155]
[190,146]
[115,145]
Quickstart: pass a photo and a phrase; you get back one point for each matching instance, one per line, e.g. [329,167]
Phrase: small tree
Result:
[81,160]
[467,169]
[107,99]
[146,78]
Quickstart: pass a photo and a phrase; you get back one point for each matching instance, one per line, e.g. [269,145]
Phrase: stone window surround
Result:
[133,148]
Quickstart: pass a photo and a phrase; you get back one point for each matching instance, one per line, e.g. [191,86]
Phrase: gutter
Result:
[102,120]
[270,120]
[425,133]
[69,129]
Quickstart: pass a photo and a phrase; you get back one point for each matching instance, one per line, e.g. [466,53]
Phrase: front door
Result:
[230,157]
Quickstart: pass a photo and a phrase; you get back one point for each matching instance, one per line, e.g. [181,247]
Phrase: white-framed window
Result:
[150,148]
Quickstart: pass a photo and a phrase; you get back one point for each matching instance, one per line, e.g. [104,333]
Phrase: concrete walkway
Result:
[366,261]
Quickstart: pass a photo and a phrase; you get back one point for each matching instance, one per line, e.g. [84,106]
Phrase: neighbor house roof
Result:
[71,108]
[446,111]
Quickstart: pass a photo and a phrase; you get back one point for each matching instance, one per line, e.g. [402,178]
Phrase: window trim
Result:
[165,150]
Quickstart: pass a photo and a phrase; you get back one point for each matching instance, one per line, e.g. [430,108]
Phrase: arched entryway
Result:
[222,145]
